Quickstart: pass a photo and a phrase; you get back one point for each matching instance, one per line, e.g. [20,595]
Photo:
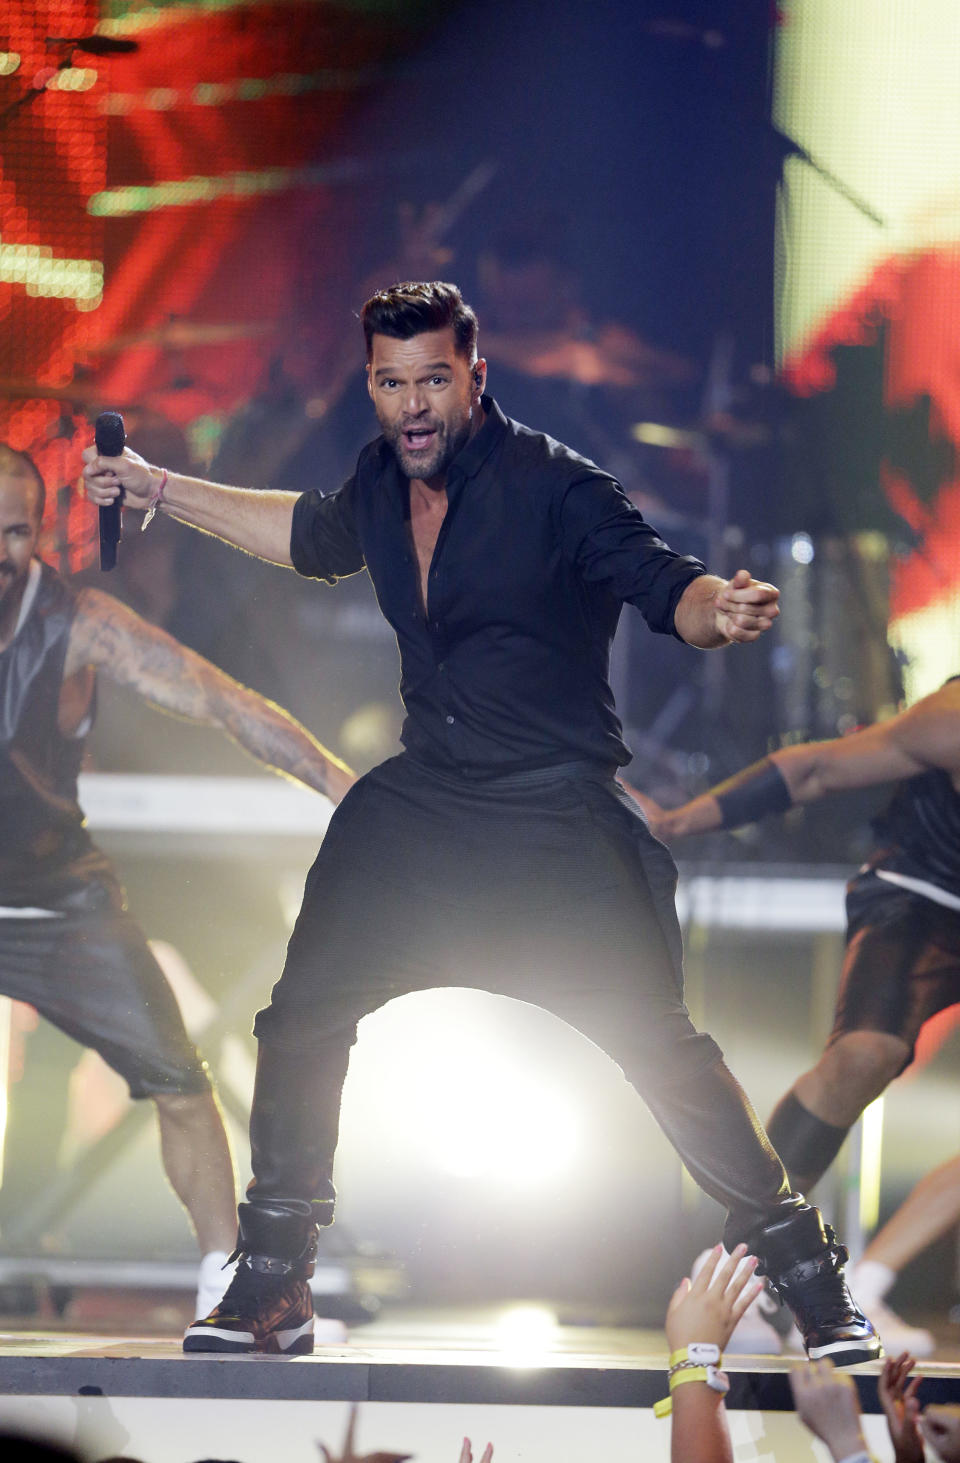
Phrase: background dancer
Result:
[497,851]
[902,964]
[67,944]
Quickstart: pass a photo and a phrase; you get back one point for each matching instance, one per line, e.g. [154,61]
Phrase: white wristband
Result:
[862,1457]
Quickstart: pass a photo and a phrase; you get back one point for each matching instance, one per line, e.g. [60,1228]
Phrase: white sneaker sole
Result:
[846,1353]
[298,1339]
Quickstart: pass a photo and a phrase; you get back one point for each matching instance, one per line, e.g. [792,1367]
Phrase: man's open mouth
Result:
[416,439]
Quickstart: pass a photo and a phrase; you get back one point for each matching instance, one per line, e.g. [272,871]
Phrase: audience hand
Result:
[826,1401]
[466,1452]
[940,1426]
[349,1456]
[708,1308]
[899,1402]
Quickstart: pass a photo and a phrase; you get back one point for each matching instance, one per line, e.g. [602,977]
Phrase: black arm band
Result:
[751,794]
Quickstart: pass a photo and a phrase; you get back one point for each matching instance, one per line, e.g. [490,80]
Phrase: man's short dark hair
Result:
[21,464]
[406,310]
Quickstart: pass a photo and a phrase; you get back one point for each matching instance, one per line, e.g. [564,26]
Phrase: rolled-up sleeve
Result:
[324,543]
[611,544]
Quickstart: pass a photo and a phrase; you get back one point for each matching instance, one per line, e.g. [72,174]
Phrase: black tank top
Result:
[47,858]
[919,832]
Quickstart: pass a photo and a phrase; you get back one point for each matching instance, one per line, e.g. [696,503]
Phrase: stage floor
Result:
[542,1391]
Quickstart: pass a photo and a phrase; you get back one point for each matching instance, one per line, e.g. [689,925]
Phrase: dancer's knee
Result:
[855,1068]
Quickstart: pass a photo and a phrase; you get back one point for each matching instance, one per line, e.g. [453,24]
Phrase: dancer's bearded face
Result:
[426,398]
[19,530]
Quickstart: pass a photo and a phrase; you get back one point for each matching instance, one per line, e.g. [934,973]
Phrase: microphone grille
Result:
[109,434]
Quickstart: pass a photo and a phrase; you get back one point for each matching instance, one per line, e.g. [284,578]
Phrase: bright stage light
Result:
[462,1101]
[520,1133]
[45,276]
[801,548]
[525,1332]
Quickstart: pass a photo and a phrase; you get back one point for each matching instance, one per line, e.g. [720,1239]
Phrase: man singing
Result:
[497,851]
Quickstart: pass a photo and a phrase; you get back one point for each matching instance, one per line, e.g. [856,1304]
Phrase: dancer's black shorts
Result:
[545,886]
[90,971]
[902,963]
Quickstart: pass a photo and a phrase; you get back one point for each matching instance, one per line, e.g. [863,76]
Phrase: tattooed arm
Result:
[118,643]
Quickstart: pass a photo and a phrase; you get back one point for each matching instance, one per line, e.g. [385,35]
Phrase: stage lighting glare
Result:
[525,1332]
[438,1089]
[75,78]
[871,1154]
[512,1131]
[34,266]
[801,548]
[145,198]
[925,641]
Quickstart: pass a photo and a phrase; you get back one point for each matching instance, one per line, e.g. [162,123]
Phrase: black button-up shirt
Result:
[539,549]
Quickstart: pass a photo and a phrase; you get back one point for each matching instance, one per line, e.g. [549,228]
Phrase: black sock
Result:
[806,1144]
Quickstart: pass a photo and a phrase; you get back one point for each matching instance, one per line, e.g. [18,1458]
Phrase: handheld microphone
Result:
[110,438]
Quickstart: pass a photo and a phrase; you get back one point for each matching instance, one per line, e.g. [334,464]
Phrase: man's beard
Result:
[10,583]
[436,462]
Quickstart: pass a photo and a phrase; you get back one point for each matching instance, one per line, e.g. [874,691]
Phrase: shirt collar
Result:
[471,458]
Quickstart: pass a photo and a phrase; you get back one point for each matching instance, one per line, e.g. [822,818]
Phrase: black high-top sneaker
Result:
[268,1307]
[804,1264]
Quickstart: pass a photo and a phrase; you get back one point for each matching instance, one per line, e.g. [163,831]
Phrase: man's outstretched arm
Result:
[924,736]
[259,522]
[128,650]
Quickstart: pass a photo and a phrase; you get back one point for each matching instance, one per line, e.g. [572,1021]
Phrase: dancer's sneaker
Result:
[268,1307]
[804,1264]
[869,1281]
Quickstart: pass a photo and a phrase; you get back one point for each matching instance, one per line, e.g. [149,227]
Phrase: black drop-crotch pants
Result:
[546,886]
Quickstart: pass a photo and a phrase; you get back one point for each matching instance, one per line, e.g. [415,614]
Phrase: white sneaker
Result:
[869,1282]
[213,1277]
[753,1334]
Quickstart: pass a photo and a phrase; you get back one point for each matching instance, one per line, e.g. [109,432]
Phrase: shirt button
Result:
[450,721]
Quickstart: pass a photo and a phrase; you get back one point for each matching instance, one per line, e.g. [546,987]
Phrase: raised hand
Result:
[745,607]
[350,1456]
[826,1401]
[466,1452]
[708,1308]
[898,1398]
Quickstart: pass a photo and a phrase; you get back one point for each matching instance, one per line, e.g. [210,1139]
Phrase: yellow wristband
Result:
[716,1380]
[689,1374]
